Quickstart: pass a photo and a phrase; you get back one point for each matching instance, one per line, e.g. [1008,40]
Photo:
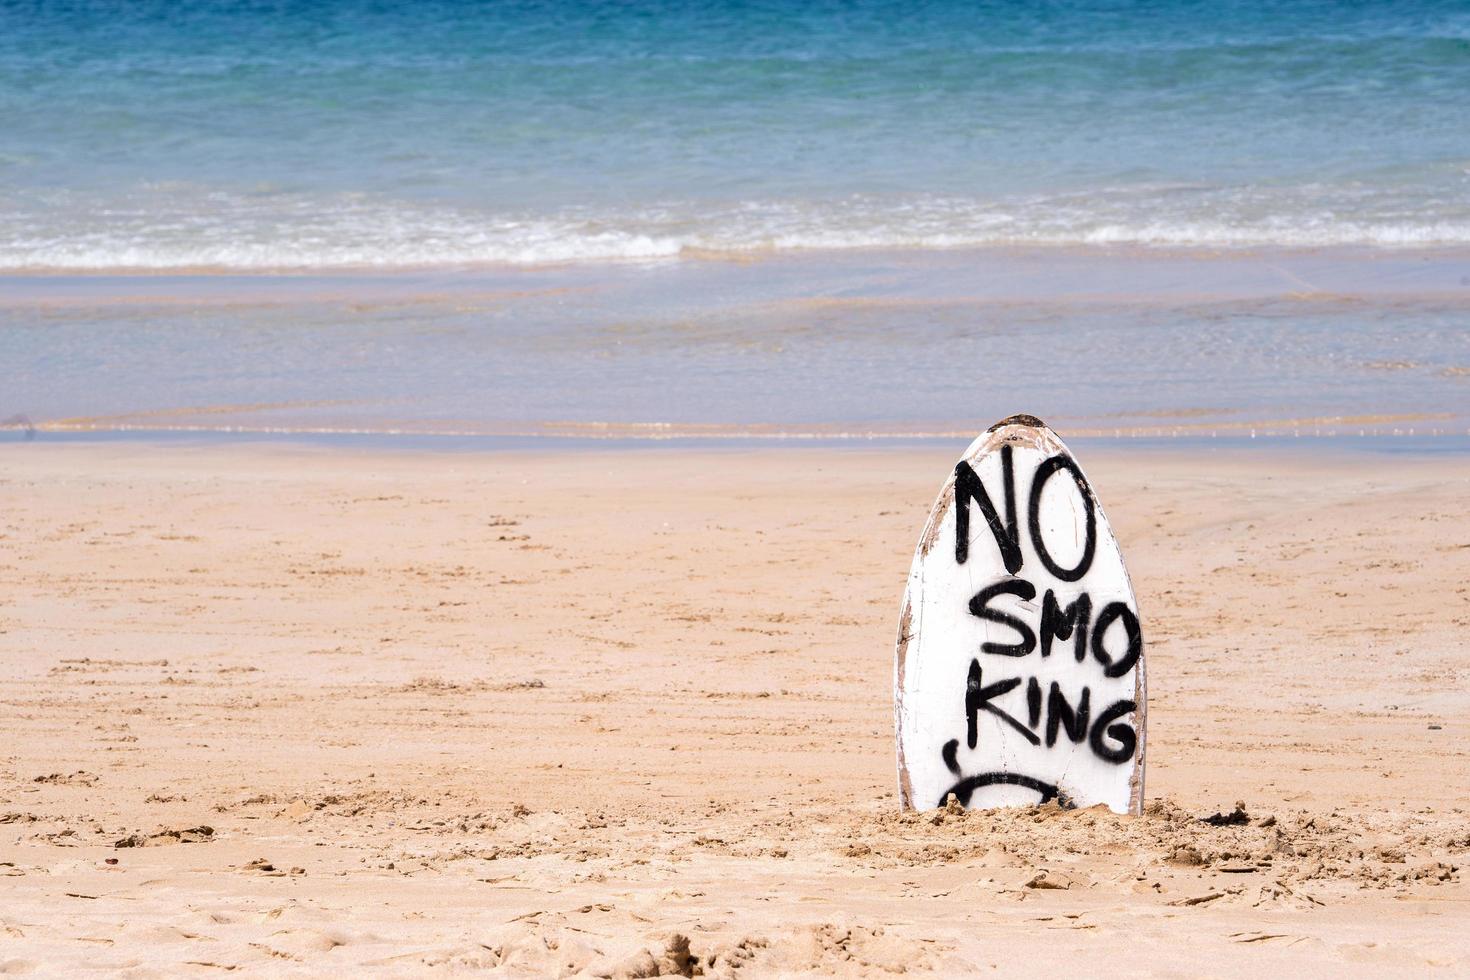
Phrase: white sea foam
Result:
[172,228]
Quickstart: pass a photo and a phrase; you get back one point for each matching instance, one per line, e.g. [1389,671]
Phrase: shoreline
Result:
[1270,267]
[833,348]
[1411,441]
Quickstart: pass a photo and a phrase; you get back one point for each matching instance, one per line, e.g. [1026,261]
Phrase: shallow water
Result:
[835,345]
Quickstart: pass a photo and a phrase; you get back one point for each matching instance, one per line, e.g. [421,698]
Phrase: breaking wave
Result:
[174,229]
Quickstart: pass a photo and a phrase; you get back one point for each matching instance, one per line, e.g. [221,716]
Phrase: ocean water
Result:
[735,219]
[182,134]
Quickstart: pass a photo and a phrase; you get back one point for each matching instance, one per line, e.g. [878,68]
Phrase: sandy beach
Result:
[300,710]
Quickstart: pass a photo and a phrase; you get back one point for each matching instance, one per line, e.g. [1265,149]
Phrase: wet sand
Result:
[1103,342]
[311,711]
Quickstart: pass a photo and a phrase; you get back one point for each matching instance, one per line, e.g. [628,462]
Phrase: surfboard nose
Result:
[1030,420]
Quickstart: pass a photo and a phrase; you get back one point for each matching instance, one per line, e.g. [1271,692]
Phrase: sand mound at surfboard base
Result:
[1297,847]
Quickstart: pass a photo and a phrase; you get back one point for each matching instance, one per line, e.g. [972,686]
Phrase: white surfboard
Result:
[1019,675]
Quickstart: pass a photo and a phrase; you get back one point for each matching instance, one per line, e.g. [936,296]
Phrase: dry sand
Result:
[297,710]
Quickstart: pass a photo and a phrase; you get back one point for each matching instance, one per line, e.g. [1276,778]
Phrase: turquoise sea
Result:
[861,215]
[307,135]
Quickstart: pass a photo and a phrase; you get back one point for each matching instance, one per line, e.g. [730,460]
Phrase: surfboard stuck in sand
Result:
[1019,672]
